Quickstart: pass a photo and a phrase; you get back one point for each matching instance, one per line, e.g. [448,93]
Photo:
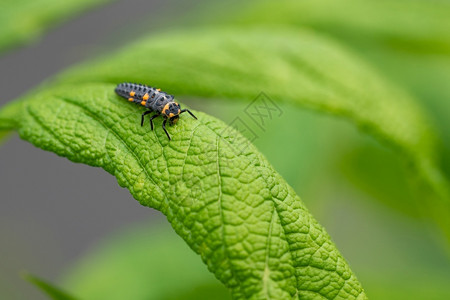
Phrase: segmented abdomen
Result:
[147,96]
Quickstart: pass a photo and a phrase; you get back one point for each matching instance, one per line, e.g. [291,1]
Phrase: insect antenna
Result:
[187,110]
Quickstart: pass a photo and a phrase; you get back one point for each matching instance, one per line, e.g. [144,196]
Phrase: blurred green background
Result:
[358,189]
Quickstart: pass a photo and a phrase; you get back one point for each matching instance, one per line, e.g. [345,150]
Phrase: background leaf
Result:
[25,20]
[52,291]
[153,258]
[411,25]
[407,40]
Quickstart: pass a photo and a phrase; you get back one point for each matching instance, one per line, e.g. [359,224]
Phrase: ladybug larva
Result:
[161,103]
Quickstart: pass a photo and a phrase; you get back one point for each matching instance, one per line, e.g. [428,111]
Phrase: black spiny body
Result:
[161,103]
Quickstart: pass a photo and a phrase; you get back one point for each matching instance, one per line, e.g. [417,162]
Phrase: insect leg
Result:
[164,127]
[143,114]
[151,120]
[184,110]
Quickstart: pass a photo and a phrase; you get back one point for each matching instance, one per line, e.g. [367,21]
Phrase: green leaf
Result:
[406,39]
[231,207]
[52,291]
[24,20]
[225,200]
[294,66]
[413,26]
[153,258]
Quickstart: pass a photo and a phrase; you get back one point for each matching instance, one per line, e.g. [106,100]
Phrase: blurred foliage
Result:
[148,261]
[52,291]
[24,20]
[415,26]
[407,39]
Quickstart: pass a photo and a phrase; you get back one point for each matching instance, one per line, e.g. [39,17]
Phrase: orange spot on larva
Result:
[166,107]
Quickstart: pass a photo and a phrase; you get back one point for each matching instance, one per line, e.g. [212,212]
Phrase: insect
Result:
[155,100]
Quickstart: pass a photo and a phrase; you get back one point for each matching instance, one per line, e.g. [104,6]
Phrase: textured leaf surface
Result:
[153,258]
[23,20]
[248,225]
